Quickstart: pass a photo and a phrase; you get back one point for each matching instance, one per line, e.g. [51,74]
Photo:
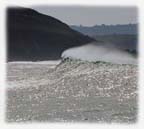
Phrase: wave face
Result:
[73,91]
[100,52]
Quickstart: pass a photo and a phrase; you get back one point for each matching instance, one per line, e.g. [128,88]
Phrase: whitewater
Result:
[94,52]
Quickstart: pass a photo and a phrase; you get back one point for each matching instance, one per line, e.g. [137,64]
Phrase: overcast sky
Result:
[89,16]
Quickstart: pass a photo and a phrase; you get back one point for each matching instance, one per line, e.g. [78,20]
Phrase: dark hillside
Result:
[121,41]
[34,36]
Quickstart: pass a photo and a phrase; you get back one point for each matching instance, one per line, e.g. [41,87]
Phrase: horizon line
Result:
[104,24]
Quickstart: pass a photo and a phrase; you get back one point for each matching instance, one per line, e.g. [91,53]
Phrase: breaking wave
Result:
[94,52]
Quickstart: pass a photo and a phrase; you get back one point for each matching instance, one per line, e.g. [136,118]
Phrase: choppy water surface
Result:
[72,91]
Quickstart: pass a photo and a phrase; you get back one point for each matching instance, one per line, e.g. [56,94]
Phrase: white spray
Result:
[100,52]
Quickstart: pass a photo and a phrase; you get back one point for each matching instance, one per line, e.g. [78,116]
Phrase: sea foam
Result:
[100,52]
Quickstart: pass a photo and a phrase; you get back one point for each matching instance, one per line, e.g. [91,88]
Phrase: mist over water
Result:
[100,52]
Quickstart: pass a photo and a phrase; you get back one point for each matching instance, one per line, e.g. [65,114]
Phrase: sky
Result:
[90,16]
